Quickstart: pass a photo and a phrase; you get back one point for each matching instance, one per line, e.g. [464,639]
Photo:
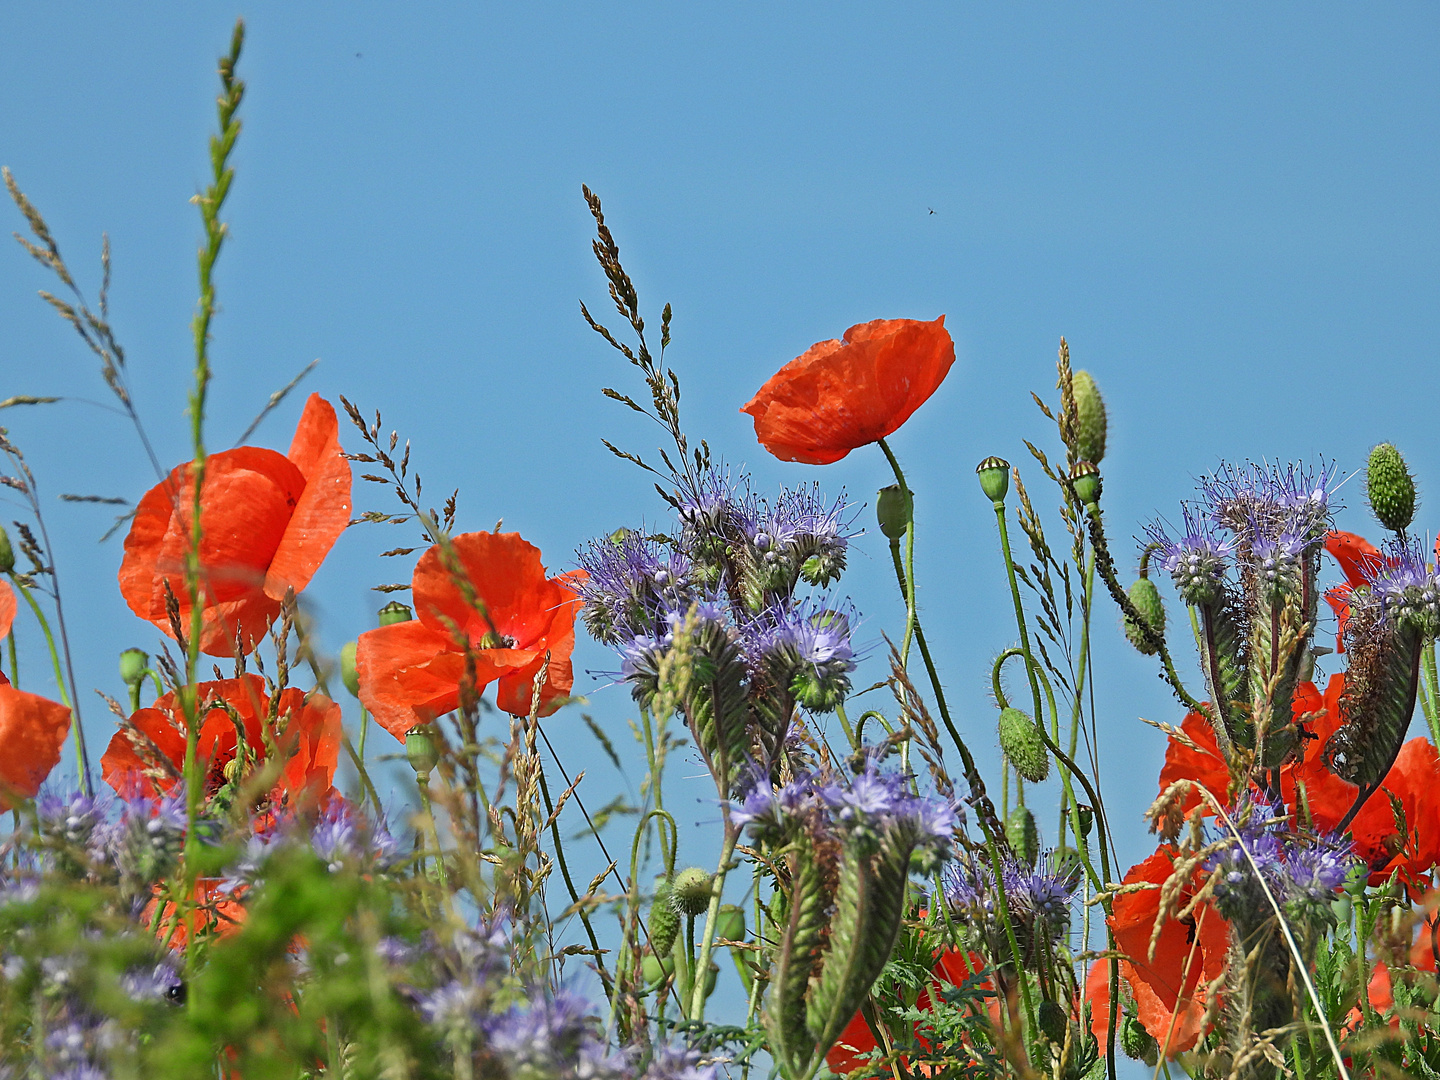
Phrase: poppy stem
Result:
[14,663]
[1431,697]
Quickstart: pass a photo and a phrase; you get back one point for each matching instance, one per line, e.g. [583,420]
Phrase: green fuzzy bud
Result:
[1052,1021]
[1085,478]
[421,751]
[710,978]
[348,675]
[395,612]
[1146,598]
[1390,488]
[1023,834]
[894,507]
[1090,413]
[664,922]
[7,553]
[1022,744]
[690,892]
[994,474]
[133,665]
[730,924]
[1137,1043]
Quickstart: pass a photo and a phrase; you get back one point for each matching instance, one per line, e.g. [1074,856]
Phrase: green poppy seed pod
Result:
[994,474]
[893,508]
[710,977]
[133,665]
[1086,815]
[1022,744]
[1146,598]
[7,553]
[1138,1043]
[691,891]
[1023,834]
[664,922]
[1052,1021]
[395,612]
[1085,478]
[1390,488]
[348,675]
[656,969]
[730,924]
[421,751]
[1090,411]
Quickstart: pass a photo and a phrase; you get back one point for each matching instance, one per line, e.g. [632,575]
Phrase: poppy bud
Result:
[664,922]
[730,924]
[395,612]
[422,752]
[1146,598]
[348,675]
[1085,478]
[994,473]
[1090,412]
[1052,1021]
[893,508]
[7,553]
[1023,834]
[1138,1043]
[691,891]
[1086,815]
[1390,488]
[1022,744]
[656,969]
[133,665]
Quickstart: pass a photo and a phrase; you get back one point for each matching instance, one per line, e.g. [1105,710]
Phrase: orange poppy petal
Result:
[8,607]
[409,674]
[314,725]
[1354,553]
[515,692]
[323,509]
[32,730]
[505,571]
[1206,765]
[840,395]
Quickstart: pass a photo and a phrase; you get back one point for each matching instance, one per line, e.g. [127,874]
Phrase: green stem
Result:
[1432,685]
[1087,607]
[999,505]
[907,574]
[712,915]
[14,662]
[364,730]
[82,759]
[422,781]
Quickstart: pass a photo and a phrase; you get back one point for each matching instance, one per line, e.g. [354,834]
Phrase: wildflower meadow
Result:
[411,855]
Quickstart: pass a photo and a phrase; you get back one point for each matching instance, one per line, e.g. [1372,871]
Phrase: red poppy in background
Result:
[8,607]
[1168,990]
[268,520]
[839,395]
[32,730]
[1357,557]
[410,672]
[856,1042]
[307,728]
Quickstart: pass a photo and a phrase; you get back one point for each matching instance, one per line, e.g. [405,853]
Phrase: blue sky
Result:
[1229,210]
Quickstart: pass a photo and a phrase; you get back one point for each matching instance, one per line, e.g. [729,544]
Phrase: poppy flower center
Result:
[494,640]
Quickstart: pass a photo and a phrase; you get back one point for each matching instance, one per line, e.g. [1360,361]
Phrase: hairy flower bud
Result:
[994,473]
[730,924]
[690,892]
[1023,834]
[7,553]
[1021,743]
[133,665]
[1146,598]
[1052,1021]
[1390,488]
[395,612]
[348,674]
[1085,478]
[664,922]
[1090,411]
[893,507]
[1137,1043]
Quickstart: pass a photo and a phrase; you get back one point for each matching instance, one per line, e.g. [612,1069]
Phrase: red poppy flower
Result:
[410,672]
[268,521]
[307,728]
[214,911]
[1168,989]
[32,730]
[1357,557]
[8,605]
[856,1042]
[839,395]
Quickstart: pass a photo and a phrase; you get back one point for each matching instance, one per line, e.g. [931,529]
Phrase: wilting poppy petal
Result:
[32,730]
[266,521]
[1205,765]
[8,605]
[839,395]
[1355,555]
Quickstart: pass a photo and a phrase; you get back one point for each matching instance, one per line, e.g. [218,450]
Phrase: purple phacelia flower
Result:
[1197,560]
